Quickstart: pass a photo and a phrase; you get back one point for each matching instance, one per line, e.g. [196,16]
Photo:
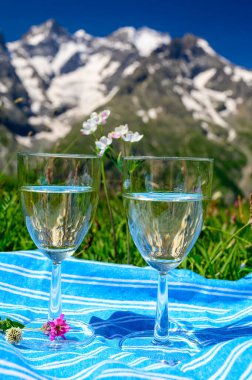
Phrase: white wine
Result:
[58,217]
[164,226]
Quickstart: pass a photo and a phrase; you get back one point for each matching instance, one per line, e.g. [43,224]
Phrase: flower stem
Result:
[124,146]
[109,208]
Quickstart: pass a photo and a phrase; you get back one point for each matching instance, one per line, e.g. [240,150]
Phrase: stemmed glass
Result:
[59,195]
[165,199]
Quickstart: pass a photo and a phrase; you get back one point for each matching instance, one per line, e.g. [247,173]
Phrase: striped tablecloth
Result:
[116,300]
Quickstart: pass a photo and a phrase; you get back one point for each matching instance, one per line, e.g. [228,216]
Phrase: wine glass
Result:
[59,195]
[165,200]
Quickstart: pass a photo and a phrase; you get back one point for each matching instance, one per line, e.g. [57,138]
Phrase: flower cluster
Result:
[14,335]
[90,126]
[122,132]
[13,330]
[57,327]
[103,146]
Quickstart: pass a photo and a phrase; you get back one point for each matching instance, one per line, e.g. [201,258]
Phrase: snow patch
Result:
[106,43]
[231,107]
[12,46]
[131,69]
[231,135]
[110,69]
[67,50]
[152,114]
[6,103]
[42,65]
[242,74]
[3,88]
[82,90]
[83,87]
[35,39]
[203,101]
[179,90]
[60,126]
[190,104]
[82,35]
[146,40]
[153,68]
[201,79]
[30,81]
[227,70]
[203,44]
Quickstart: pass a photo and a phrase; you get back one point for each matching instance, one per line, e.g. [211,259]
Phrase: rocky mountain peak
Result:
[144,39]
[189,47]
[124,34]
[47,30]
[81,36]
[44,39]
[147,40]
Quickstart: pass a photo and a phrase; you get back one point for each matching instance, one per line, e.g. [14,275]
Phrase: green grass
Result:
[223,250]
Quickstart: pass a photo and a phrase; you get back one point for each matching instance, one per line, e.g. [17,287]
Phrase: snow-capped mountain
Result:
[67,76]
[52,79]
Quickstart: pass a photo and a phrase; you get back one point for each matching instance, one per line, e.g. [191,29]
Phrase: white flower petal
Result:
[102,117]
[122,129]
[132,137]
[115,135]
[104,142]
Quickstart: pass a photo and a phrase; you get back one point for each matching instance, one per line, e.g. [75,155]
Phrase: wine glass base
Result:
[79,335]
[180,346]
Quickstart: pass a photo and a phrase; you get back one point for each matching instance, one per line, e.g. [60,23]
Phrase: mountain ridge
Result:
[64,77]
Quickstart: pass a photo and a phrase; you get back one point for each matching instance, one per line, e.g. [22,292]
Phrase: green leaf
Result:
[8,323]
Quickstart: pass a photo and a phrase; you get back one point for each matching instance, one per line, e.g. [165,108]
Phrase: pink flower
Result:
[102,117]
[90,126]
[119,132]
[55,328]
[46,328]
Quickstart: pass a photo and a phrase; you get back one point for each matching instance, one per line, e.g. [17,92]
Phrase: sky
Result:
[226,25]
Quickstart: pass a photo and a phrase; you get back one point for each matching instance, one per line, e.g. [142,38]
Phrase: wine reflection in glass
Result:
[59,195]
[165,201]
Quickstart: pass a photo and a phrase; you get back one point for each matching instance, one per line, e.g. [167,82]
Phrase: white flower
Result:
[119,132]
[14,335]
[102,117]
[89,126]
[102,144]
[132,137]
[94,117]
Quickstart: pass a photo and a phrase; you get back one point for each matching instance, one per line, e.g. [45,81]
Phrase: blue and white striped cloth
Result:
[117,299]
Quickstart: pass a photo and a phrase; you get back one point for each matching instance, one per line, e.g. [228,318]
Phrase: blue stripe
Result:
[118,300]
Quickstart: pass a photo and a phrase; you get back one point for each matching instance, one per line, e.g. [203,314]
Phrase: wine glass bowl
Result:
[165,200]
[164,245]
[59,195]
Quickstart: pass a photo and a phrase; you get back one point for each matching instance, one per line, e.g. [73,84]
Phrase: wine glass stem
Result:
[54,310]
[161,330]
